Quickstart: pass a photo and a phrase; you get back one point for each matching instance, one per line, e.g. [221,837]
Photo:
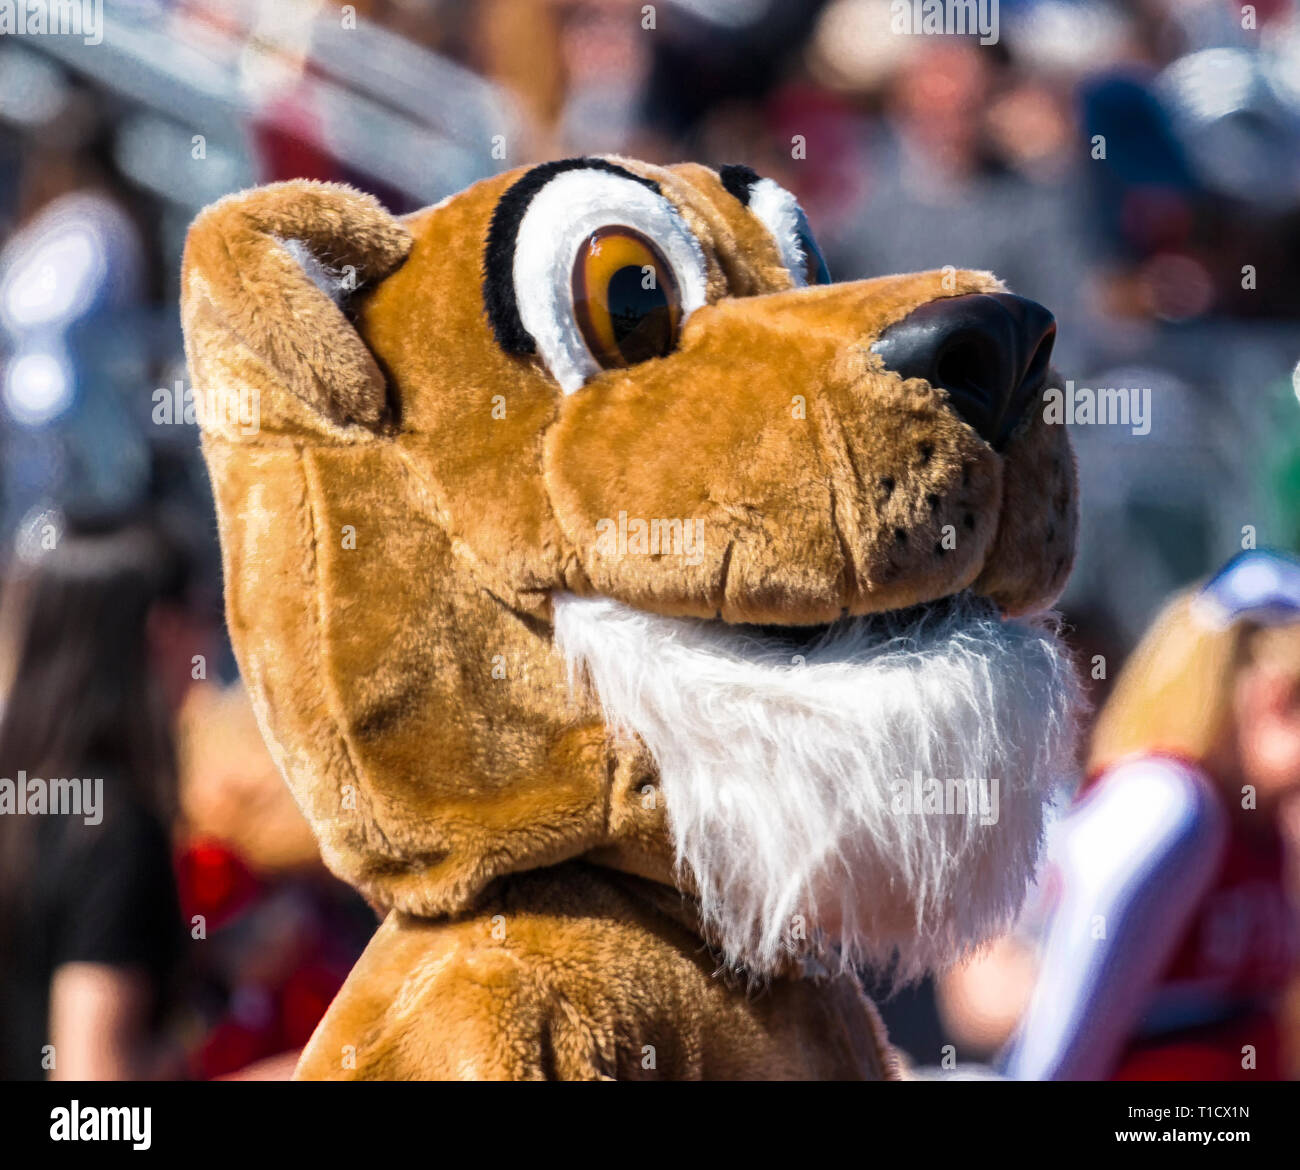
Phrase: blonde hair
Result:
[1175,693]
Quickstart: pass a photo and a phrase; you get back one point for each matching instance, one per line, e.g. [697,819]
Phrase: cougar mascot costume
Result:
[643,622]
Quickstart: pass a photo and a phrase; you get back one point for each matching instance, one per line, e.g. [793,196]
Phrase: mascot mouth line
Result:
[800,640]
[791,643]
[785,756]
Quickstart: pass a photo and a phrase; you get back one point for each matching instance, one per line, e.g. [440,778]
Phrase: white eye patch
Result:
[779,211]
[559,219]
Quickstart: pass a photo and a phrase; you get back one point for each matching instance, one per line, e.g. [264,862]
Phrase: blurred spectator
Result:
[1174,937]
[279,933]
[92,625]
[74,277]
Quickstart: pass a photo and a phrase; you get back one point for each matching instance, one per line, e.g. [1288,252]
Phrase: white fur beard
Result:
[788,772]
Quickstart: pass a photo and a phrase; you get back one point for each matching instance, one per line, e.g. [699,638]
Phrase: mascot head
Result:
[581,516]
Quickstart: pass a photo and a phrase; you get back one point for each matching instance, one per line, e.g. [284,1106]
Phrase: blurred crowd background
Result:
[1134,166]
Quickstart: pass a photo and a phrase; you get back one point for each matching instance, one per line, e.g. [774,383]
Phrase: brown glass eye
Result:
[625,297]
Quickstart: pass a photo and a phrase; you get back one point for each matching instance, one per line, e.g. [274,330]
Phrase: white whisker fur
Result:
[781,778]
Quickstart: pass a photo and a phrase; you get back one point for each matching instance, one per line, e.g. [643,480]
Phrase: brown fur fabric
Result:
[392,535]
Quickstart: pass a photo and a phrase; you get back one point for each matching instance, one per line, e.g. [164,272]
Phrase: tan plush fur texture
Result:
[391,543]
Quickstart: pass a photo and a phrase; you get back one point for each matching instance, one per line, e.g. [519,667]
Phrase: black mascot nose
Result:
[989,351]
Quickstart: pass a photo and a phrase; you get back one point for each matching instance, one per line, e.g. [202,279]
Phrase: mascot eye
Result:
[605,271]
[626,300]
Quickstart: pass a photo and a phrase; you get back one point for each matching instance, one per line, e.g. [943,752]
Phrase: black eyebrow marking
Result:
[499,253]
[738,180]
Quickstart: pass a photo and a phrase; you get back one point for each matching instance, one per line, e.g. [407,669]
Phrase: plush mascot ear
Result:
[265,279]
